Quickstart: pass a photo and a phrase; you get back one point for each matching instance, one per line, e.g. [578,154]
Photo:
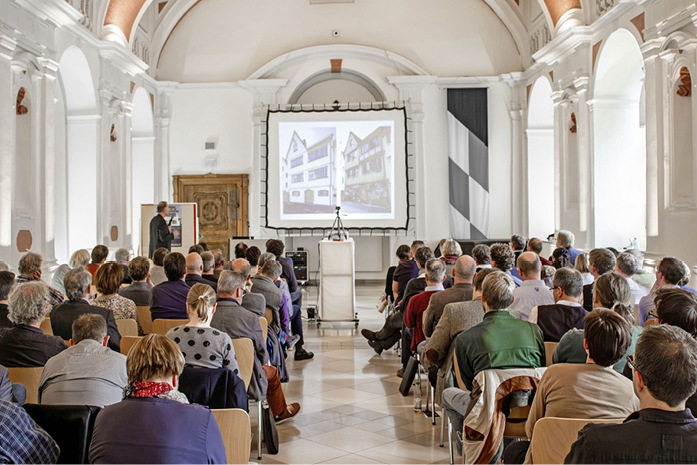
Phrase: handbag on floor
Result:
[268,425]
[408,378]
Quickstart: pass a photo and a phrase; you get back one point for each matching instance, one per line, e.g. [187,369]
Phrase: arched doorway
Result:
[619,144]
[79,174]
[540,169]
[142,159]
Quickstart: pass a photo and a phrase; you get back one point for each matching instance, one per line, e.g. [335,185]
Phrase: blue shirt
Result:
[168,300]
[22,440]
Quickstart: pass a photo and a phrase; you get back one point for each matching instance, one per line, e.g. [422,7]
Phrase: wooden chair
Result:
[552,438]
[29,378]
[46,326]
[244,353]
[162,326]
[263,322]
[268,314]
[651,322]
[127,342]
[144,318]
[127,327]
[549,351]
[236,429]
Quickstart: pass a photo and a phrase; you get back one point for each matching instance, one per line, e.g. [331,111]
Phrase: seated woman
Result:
[155,423]
[201,345]
[78,258]
[590,390]
[581,266]
[451,251]
[108,281]
[612,292]
[561,258]
[390,295]
[406,270]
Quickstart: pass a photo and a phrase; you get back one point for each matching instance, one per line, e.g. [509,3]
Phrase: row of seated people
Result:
[510,331]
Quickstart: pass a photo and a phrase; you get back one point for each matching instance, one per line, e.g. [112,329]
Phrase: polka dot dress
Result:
[205,347]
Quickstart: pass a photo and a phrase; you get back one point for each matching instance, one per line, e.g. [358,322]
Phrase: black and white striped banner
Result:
[468,163]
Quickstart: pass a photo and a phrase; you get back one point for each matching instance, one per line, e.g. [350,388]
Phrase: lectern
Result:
[337,290]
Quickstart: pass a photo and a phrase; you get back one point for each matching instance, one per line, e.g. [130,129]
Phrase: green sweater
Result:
[500,341]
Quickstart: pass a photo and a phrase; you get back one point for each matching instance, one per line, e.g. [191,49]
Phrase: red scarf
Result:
[146,389]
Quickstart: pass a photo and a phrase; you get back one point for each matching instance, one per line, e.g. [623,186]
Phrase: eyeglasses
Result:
[653,315]
[630,360]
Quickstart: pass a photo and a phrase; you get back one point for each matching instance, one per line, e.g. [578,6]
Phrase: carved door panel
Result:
[222,205]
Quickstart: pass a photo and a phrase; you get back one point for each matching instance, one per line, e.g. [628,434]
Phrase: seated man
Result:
[500,341]
[517,245]
[168,299]
[194,271]
[9,391]
[239,322]
[263,283]
[139,290]
[98,256]
[88,373]
[533,291]
[30,270]
[482,255]
[670,271]
[413,318]
[663,430]
[157,270]
[25,344]
[589,390]
[502,258]
[566,313]
[22,440]
[208,267]
[535,246]
[123,257]
[7,282]
[78,285]
[461,291]
[250,300]
[627,266]
[219,262]
[600,261]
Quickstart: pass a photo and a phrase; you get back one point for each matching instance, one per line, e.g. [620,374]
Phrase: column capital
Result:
[8,45]
[265,91]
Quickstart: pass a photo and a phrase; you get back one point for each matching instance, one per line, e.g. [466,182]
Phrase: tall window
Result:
[296,178]
[319,173]
[317,153]
[296,161]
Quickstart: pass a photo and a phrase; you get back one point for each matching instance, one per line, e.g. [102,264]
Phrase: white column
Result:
[163,116]
[7,146]
[519,174]
[48,152]
[653,112]
[584,138]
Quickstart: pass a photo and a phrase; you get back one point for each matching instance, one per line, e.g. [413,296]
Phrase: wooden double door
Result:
[222,201]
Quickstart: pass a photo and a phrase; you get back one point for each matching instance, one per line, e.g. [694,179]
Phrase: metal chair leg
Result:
[443,419]
[450,442]
[433,404]
[260,406]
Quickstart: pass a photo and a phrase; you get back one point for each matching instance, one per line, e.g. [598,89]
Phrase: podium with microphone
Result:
[337,269]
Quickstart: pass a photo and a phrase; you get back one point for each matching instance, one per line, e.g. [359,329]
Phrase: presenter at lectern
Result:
[161,233]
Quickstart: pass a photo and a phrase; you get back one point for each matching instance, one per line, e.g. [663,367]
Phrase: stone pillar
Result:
[7,146]
[163,116]
[584,138]
[654,126]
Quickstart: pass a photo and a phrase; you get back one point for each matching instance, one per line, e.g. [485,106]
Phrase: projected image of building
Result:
[308,176]
[367,172]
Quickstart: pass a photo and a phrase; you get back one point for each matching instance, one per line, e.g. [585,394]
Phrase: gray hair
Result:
[568,280]
[218,258]
[451,247]
[7,282]
[271,269]
[245,269]
[79,258]
[77,283]
[4,266]
[122,255]
[230,281]
[265,256]
[565,238]
[497,290]
[435,270]
[30,263]
[89,326]
[29,303]
[208,261]
[627,263]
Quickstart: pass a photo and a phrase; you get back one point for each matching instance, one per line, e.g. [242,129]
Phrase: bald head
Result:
[194,264]
[464,269]
[529,266]
[241,266]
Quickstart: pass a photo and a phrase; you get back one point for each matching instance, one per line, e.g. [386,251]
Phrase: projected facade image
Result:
[367,172]
[308,174]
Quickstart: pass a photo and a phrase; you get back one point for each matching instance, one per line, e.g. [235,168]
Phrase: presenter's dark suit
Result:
[62,318]
[160,236]
[192,279]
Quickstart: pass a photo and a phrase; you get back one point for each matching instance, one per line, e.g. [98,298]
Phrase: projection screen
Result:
[318,160]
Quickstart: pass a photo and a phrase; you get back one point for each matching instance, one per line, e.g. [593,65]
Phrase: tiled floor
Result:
[352,411]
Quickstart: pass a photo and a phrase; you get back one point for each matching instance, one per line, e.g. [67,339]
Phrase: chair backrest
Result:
[162,326]
[127,327]
[70,426]
[46,326]
[236,429]
[29,378]
[264,323]
[552,438]
[244,352]
[549,351]
[651,322]
[145,318]
[268,314]
[127,342]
